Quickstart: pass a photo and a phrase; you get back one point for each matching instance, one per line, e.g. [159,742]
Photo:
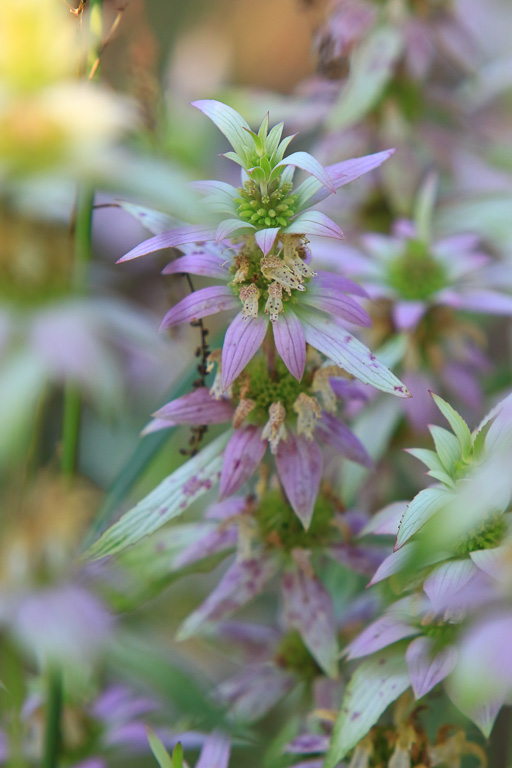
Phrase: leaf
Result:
[457,423]
[425,505]
[371,68]
[159,751]
[230,122]
[166,501]
[177,756]
[447,446]
[375,684]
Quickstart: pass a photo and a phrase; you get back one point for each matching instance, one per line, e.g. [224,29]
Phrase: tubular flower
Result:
[294,417]
[257,244]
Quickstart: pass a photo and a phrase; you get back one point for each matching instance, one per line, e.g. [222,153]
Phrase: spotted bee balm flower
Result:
[256,243]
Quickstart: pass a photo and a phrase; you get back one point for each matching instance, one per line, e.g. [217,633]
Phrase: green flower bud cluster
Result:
[416,274]
[273,209]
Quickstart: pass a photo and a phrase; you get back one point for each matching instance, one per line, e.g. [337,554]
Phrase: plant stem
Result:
[82,257]
[52,736]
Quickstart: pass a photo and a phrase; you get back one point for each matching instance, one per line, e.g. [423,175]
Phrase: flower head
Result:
[262,229]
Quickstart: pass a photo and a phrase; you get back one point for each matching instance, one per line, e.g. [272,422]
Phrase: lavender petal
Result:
[206,301]
[290,343]
[335,433]
[242,341]
[388,629]
[206,264]
[299,464]
[241,583]
[215,753]
[308,609]
[427,668]
[266,238]
[242,456]
[254,691]
[196,407]
[179,236]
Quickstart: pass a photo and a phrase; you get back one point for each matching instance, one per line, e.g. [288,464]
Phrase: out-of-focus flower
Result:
[415,274]
[267,263]
[293,417]
[112,727]
[44,602]
[48,120]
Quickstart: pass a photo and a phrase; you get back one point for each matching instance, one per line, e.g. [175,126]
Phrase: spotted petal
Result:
[383,632]
[299,464]
[176,237]
[242,341]
[206,301]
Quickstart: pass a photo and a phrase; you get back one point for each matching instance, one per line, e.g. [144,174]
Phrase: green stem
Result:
[82,257]
[52,735]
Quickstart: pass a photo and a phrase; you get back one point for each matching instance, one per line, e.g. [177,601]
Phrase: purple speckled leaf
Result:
[374,685]
[243,454]
[299,464]
[179,236]
[215,753]
[308,743]
[388,629]
[335,433]
[256,641]
[227,508]
[168,500]
[207,264]
[206,301]
[426,667]
[242,341]
[336,304]
[314,223]
[155,425]
[290,342]
[330,338]
[255,690]
[308,609]
[196,407]
[241,583]
[266,238]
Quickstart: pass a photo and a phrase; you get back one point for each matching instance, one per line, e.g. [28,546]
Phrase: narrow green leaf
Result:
[168,500]
[177,756]
[371,67]
[159,751]
[424,207]
[457,423]
[429,458]
[374,685]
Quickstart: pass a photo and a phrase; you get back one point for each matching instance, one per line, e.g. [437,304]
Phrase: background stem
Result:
[52,736]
